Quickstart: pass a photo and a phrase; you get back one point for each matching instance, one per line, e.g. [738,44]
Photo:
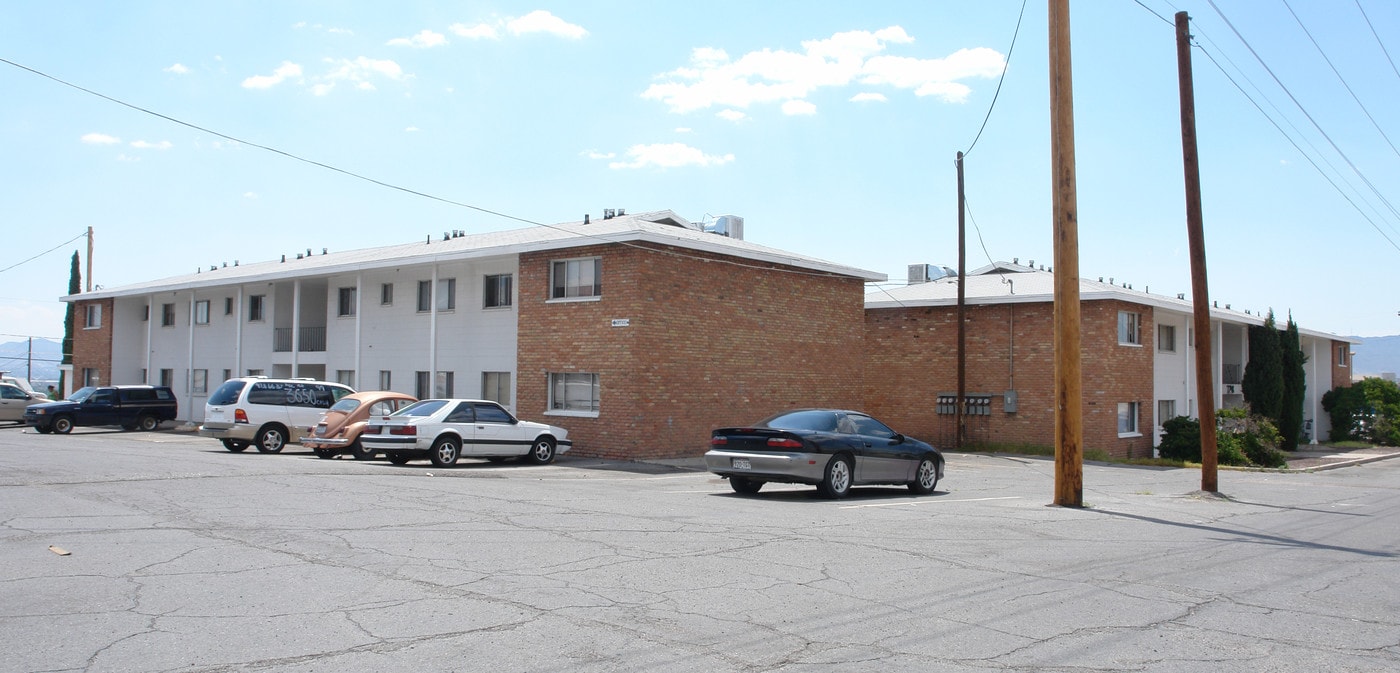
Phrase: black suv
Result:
[131,407]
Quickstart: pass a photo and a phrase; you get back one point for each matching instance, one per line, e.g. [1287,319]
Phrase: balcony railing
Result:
[311,340]
[1231,374]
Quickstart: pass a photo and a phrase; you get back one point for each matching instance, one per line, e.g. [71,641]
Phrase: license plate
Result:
[742,464]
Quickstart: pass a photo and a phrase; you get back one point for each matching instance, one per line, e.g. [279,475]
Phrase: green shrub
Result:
[1229,450]
[1260,453]
[1181,440]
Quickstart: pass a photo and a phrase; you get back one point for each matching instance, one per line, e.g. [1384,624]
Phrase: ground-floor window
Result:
[1127,419]
[420,385]
[167,377]
[199,381]
[495,386]
[345,377]
[1166,410]
[385,380]
[90,376]
[443,385]
[574,393]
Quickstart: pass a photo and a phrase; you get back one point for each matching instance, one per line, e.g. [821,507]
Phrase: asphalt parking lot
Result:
[182,556]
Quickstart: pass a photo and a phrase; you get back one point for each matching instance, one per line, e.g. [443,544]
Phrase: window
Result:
[498,291]
[384,380]
[167,377]
[576,278]
[347,302]
[386,296]
[167,315]
[345,376]
[228,305]
[201,312]
[420,385]
[442,386]
[145,313]
[1127,419]
[255,372]
[1166,338]
[1128,328]
[495,386]
[446,295]
[255,307]
[228,374]
[199,381]
[1344,355]
[92,316]
[1166,410]
[573,393]
[91,376]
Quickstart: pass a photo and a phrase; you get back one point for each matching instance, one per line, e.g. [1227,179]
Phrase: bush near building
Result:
[1242,440]
[1368,411]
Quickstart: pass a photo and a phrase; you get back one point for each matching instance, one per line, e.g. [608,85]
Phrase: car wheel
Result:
[542,451]
[745,485]
[926,479]
[324,454]
[234,445]
[359,451]
[148,423]
[62,425]
[398,458]
[43,430]
[446,451]
[271,439]
[837,481]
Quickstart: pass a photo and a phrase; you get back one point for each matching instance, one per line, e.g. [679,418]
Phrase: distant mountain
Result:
[1375,355]
[38,365]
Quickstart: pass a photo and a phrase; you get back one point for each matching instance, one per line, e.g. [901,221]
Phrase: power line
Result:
[44,252]
[1004,66]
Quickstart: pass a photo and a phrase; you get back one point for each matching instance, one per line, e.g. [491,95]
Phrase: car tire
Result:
[446,450]
[43,430]
[148,423]
[836,481]
[234,445]
[745,485]
[359,452]
[271,439]
[62,425]
[324,454]
[926,478]
[542,451]
[398,458]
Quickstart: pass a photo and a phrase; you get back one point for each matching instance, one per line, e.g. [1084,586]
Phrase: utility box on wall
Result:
[1008,401]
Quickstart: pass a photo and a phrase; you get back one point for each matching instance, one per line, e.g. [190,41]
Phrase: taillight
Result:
[784,443]
[403,430]
[240,416]
[719,441]
[373,429]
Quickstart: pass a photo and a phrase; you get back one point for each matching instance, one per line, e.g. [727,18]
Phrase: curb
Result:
[1347,463]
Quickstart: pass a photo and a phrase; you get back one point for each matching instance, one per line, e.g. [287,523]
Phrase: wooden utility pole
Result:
[1069,417]
[959,418]
[89,260]
[1200,294]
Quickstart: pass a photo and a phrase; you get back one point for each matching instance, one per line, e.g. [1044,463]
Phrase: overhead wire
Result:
[43,253]
[1378,38]
[1000,80]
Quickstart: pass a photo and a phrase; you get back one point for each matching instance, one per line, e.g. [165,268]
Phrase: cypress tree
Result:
[1290,418]
[1263,376]
[75,285]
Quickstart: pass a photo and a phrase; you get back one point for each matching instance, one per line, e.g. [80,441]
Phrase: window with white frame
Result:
[1127,419]
[421,385]
[385,380]
[167,377]
[1166,338]
[1344,355]
[574,278]
[256,372]
[1128,328]
[346,304]
[1166,410]
[571,392]
[498,291]
[91,376]
[167,315]
[345,376]
[201,312]
[447,294]
[228,305]
[199,381]
[443,385]
[255,307]
[92,316]
[228,374]
[495,386]
[386,295]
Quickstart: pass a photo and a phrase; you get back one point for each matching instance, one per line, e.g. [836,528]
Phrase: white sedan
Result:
[445,430]
[14,400]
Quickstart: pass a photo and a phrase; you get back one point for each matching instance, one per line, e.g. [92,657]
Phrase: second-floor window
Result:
[255,307]
[201,312]
[93,316]
[446,295]
[498,291]
[347,302]
[573,278]
[1128,328]
[1166,338]
[167,315]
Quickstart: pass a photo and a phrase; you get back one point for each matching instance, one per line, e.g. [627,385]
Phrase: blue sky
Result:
[831,127]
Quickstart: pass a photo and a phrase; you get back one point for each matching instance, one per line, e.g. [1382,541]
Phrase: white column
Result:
[359,309]
[296,327]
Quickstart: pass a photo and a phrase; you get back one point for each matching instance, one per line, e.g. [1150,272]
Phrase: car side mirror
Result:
[897,438]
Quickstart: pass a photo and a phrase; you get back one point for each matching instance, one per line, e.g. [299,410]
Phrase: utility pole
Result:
[89,260]
[1069,417]
[959,418]
[1200,294]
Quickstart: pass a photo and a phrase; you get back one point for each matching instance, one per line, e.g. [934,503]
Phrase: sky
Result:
[190,134]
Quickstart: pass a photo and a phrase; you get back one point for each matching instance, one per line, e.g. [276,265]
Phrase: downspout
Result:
[296,327]
[189,367]
[238,335]
[432,335]
[359,304]
[150,318]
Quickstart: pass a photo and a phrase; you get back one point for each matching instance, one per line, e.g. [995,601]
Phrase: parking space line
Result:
[928,502]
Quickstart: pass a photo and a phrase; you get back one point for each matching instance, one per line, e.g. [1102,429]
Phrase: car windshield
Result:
[424,408]
[820,421]
[227,393]
[345,405]
[81,394]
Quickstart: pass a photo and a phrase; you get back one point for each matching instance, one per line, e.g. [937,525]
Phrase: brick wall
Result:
[1341,375]
[92,348]
[912,357]
[708,344]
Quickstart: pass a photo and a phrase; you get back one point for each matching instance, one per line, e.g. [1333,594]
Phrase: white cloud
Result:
[128,158]
[100,139]
[178,69]
[251,196]
[595,154]
[669,155]
[357,73]
[869,97]
[425,39]
[713,79]
[799,107]
[480,31]
[147,145]
[731,115]
[411,129]
[541,21]
[682,129]
[283,72]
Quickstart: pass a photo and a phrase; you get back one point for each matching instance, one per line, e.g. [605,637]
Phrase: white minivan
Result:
[267,413]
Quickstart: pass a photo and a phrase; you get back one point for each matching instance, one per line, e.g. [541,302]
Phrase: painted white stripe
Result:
[929,502]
